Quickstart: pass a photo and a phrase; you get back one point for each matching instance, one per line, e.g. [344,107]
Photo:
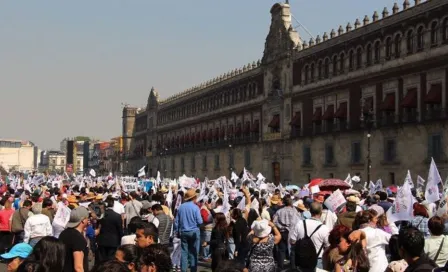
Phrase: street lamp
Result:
[368,120]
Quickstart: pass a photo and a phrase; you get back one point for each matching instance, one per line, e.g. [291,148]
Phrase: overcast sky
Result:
[67,66]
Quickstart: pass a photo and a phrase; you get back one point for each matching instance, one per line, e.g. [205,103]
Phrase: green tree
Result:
[82,138]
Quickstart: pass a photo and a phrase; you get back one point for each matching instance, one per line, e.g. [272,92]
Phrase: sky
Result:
[67,67]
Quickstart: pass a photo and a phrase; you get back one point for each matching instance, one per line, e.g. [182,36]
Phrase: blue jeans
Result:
[206,235]
[190,243]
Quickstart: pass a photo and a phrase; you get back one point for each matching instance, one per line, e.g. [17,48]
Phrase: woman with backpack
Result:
[261,256]
[218,241]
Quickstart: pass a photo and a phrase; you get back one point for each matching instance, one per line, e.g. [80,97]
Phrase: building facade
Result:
[368,99]
[17,155]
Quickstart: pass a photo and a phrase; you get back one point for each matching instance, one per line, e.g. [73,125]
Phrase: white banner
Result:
[335,200]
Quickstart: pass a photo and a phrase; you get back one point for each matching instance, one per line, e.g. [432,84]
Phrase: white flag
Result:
[402,209]
[432,184]
[409,179]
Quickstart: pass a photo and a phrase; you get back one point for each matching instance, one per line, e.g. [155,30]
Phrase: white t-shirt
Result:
[319,238]
[118,208]
[377,240]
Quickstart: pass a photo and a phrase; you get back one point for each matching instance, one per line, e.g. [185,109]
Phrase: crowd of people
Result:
[256,230]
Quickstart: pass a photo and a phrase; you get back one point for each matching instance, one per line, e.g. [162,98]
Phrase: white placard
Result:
[335,200]
[315,189]
[62,215]
[130,186]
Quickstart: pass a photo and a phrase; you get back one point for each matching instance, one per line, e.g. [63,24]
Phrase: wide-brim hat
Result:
[261,228]
[76,216]
[163,190]
[354,199]
[191,193]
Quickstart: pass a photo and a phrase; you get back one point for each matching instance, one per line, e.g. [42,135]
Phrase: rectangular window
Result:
[247,158]
[435,148]
[329,154]
[182,165]
[356,152]
[390,150]
[62,162]
[173,164]
[392,177]
[204,162]
[193,163]
[306,155]
[217,161]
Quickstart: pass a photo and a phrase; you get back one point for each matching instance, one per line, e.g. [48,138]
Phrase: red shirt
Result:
[5,215]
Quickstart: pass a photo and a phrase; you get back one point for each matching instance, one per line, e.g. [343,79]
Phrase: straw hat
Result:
[300,205]
[163,190]
[354,199]
[191,193]
[72,199]
[90,196]
[261,228]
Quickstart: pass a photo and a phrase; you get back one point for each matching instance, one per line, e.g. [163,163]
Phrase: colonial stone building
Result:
[309,108]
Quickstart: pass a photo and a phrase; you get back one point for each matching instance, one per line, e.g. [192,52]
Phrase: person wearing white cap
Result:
[261,257]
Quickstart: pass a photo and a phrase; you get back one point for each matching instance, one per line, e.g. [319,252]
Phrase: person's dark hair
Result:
[412,242]
[110,266]
[251,217]
[133,194]
[49,253]
[221,223]
[236,213]
[131,254]
[158,256]
[315,208]
[263,203]
[27,203]
[383,195]
[350,206]
[287,201]
[218,202]
[149,229]
[359,257]
[157,207]
[436,225]
[110,201]
[47,202]
[394,248]
[336,234]
[363,217]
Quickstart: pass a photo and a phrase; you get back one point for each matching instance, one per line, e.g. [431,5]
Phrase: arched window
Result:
[388,48]
[445,29]
[434,29]
[377,52]
[369,54]
[410,41]
[341,63]
[397,45]
[307,70]
[319,69]
[335,65]
[420,38]
[359,58]
[351,60]
[312,72]
[327,68]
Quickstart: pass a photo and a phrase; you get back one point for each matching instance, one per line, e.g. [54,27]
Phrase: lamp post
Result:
[368,120]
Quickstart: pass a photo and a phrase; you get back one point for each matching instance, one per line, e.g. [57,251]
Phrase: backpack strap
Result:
[438,251]
[304,227]
[318,227]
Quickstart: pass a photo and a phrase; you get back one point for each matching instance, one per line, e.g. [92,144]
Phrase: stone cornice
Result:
[388,21]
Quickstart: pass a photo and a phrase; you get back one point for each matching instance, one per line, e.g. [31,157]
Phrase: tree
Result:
[82,138]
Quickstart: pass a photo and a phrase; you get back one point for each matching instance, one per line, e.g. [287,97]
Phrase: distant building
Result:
[55,161]
[370,98]
[17,155]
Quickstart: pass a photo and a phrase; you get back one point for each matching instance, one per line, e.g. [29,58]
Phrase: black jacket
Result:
[111,230]
[423,264]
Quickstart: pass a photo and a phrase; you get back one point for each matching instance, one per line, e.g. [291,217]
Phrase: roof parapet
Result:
[223,77]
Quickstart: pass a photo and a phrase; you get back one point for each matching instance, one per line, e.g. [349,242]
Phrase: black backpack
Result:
[306,253]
